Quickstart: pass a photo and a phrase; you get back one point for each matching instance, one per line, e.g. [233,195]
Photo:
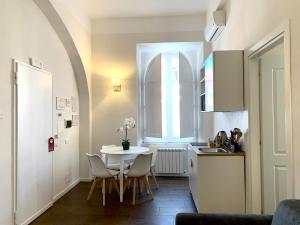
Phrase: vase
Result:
[126,145]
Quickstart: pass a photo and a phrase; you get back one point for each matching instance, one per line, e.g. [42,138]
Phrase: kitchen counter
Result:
[217,182]
[200,153]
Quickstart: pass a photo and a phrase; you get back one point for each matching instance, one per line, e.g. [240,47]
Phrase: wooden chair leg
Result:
[134,187]
[92,189]
[103,192]
[154,178]
[116,186]
[148,187]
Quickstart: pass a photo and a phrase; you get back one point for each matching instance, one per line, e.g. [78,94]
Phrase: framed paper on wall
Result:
[75,120]
[60,103]
[68,102]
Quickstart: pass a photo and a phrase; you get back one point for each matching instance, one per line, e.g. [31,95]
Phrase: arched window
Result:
[168,99]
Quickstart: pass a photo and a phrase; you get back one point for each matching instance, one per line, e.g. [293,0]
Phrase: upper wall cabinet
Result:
[222,82]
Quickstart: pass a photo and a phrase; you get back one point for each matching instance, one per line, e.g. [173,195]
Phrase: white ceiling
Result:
[140,8]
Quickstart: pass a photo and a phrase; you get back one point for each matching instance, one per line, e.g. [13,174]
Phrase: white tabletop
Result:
[118,150]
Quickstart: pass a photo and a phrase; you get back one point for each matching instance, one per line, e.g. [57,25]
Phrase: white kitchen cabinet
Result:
[217,181]
[192,161]
[222,82]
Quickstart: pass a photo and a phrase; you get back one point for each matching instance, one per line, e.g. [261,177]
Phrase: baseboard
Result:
[66,190]
[87,179]
[55,198]
[37,214]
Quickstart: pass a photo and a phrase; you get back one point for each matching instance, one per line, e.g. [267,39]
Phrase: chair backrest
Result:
[154,150]
[287,213]
[98,168]
[141,165]
[103,156]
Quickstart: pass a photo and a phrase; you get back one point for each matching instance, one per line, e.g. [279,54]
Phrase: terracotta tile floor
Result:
[172,197]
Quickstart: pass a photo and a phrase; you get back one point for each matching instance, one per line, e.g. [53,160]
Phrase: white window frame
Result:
[141,71]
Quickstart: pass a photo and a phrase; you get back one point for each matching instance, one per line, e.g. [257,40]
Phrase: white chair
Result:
[99,171]
[139,172]
[103,156]
[112,164]
[154,150]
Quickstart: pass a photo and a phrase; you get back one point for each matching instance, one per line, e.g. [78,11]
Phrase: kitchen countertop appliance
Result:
[231,143]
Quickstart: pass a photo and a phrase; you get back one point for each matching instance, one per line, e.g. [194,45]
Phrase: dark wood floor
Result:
[172,197]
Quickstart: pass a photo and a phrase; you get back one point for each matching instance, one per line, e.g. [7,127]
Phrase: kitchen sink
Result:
[198,144]
[213,150]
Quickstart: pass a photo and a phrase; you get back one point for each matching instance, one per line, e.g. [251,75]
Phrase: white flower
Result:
[129,123]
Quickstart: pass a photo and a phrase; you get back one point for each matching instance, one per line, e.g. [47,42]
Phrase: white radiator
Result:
[171,161]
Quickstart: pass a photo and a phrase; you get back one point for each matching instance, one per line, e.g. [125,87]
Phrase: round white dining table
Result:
[118,154]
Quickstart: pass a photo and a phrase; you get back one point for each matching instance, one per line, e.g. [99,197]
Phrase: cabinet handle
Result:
[192,164]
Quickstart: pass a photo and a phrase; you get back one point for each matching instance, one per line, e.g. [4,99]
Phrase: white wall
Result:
[114,54]
[79,26]
[25,32]
[247,23]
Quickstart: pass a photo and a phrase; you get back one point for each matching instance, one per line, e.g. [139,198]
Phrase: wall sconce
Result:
[116,84]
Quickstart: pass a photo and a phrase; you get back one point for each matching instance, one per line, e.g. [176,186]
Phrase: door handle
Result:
[51,144]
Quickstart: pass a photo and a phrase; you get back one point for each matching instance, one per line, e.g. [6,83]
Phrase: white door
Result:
[273,129]
[34,128]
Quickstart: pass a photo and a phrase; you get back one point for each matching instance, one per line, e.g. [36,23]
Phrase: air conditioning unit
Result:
[215,26]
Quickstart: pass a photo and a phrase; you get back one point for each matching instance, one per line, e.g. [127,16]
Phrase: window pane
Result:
[170,96]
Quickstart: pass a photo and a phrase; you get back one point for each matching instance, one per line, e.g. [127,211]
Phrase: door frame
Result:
[252,104]
[15,143]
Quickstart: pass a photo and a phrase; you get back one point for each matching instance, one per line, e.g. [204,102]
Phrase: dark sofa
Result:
[287,213]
